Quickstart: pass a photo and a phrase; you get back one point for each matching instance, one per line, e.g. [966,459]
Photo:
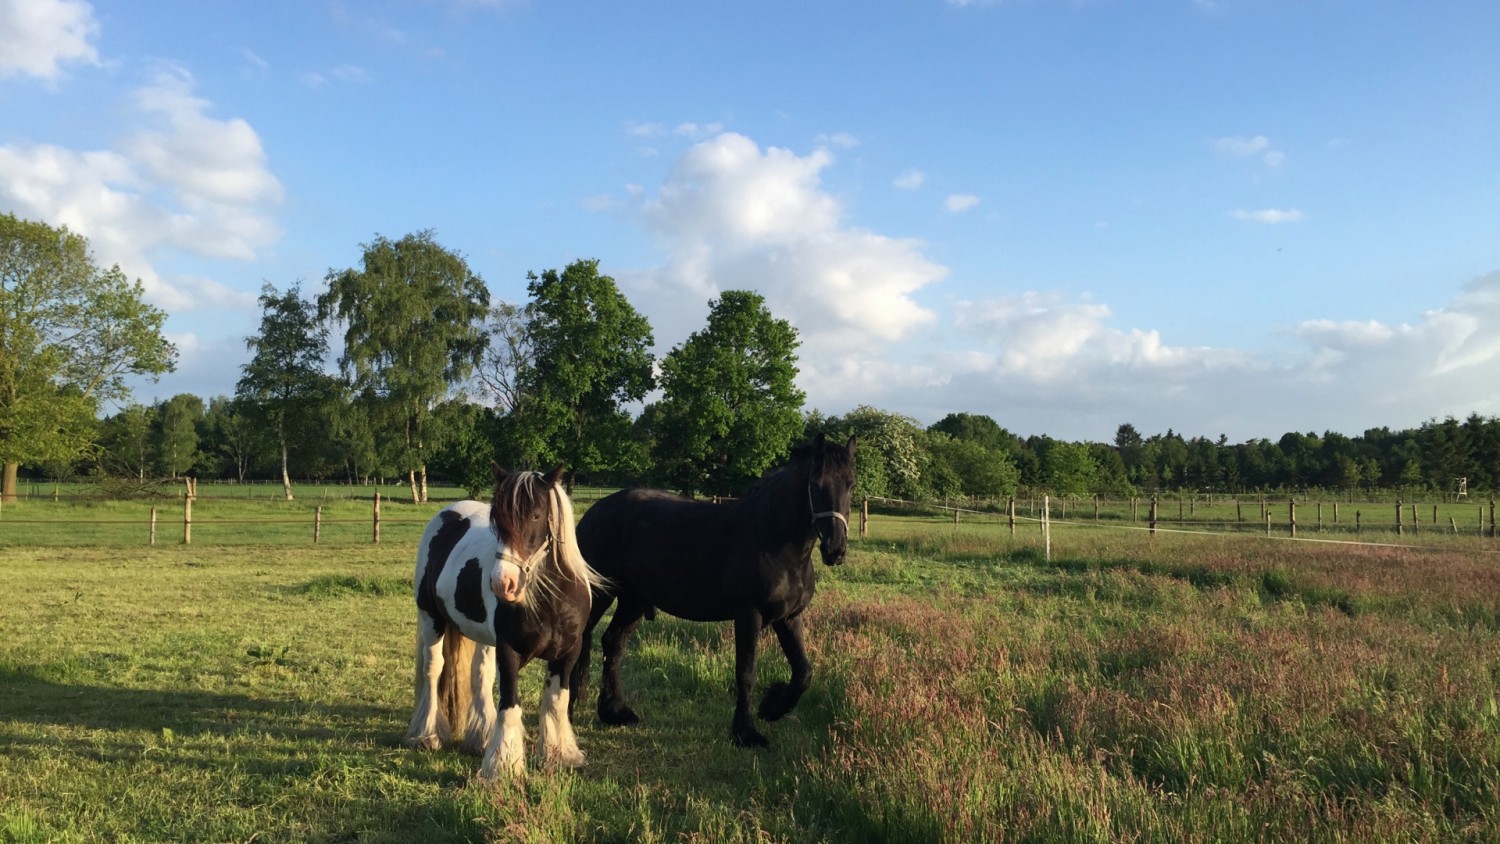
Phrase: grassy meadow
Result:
[253,686]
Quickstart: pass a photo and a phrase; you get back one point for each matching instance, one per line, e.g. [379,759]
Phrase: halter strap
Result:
[509,556]
[826,513]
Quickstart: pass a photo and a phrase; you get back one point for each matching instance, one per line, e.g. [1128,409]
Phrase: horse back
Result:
[693,559]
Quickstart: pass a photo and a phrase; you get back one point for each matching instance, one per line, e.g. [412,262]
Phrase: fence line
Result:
[1046,522]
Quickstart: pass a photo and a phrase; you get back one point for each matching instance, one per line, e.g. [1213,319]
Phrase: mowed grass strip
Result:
[965,688]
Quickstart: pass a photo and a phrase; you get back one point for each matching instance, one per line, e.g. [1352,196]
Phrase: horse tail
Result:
[570,557]
[455,692]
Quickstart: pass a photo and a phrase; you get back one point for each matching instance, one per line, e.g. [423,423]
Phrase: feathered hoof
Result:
[774,704]
[495,769]
[748,737]
[569,758]
[621,716]
[427,742]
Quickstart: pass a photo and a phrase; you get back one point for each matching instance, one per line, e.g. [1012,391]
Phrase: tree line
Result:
[434,378]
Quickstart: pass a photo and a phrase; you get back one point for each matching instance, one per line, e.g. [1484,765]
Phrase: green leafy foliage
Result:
[69,335]
[590,354]
[730,407]
[413,318]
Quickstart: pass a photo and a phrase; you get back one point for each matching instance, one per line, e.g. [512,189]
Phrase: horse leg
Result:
[556,744]
[505,754]
[579,682]
[781,698]
[746,634]
[481,720]
[612,708]
[426,731]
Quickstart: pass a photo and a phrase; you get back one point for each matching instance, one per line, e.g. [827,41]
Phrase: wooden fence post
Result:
[1153,515]
[153,525]
[317,524]
[1047,525]
[1291,516]
[377,518]
[864,517]
[1399,528]
[1239,515]
[1357,525]
[1010,509]
[187,520]
[1320,517]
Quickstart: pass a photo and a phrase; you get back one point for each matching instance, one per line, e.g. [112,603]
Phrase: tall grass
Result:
[965,688]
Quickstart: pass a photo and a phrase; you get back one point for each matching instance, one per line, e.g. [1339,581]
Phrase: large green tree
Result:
[69,336]
[414,327]
[589,355]
[177,434]
[730,407]
[284,385]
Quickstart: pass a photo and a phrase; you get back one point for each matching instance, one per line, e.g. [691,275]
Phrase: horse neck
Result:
[781,503]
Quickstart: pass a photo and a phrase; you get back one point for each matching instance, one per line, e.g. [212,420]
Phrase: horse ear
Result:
[819,443]
[555,476]
[850,446]
[500,473]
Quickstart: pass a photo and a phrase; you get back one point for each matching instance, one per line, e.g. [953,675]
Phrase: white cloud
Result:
[731,215]
[1041,363]
[346,73]
[697,130]
[841,140]
[644,130]
[38,36]
[960,202]
[910,180]
[180,180]
[1238,146]
[1268,216]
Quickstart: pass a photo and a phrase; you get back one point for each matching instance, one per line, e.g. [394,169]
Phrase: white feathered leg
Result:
[505,755]
[481,700]
[427,730]
[556,743]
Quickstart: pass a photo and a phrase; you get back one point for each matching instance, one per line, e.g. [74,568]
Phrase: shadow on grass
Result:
[29,695]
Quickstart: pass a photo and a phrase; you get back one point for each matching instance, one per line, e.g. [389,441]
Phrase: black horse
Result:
[749,560]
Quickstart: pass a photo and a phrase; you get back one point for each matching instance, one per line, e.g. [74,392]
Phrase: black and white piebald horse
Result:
[500,584]
[749,561]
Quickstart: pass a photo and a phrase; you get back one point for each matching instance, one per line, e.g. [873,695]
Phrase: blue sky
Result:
[1237,217]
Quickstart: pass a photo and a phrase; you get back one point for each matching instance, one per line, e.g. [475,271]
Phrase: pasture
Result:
[252,686]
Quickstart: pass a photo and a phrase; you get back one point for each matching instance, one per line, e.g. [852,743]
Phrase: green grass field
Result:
[252,686]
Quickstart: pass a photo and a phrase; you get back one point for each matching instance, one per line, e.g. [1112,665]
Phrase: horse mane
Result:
[564,561]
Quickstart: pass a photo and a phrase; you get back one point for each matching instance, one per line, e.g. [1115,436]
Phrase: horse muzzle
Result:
[508,584]
[833,545]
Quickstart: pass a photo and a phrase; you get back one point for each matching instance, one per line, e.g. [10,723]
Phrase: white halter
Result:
[826,513]
[508,555]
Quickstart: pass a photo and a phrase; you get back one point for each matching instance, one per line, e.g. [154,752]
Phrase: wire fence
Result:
[1408,524]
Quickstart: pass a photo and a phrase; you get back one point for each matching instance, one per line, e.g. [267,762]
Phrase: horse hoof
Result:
[773,704]
[749,738]
[423,742]
[622,717]
[572,759]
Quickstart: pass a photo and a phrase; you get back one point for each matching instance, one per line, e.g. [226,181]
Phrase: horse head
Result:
[830,486]
[522,512]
